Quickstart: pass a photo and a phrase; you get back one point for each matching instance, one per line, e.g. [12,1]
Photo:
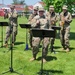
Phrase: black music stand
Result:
[2,24]
[26,26]
[42,33]
[55,28]
[11,56]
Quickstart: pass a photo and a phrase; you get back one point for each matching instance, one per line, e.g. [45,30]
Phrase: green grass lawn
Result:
[60,63]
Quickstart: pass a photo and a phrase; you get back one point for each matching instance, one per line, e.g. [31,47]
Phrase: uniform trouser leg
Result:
[8,32]
[30,39]
[67,34]
[13,23]
[45,47]
[52,43]
[62,34]
[14,33]
[35,45]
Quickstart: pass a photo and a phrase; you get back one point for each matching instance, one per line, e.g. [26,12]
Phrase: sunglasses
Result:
[35,10]
[41,11]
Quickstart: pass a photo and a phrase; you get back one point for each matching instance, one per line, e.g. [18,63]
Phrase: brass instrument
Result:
[52,22]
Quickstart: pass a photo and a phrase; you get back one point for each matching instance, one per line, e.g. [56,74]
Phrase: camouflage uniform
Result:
[12,28]
[52,17]
[65,20]
[42,23]
[29,21]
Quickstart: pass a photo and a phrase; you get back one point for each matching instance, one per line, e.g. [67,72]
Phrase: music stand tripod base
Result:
[12,71]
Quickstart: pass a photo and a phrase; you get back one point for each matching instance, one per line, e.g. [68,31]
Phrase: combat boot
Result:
[44,60]
[67,50]
[34,58]
[5,45]
[12,44]
[62,48]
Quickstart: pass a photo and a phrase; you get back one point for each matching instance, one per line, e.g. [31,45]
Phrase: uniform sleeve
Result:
[47,15]
[60,16]
[70,18]
[56,18]
[34,21]
[30,18]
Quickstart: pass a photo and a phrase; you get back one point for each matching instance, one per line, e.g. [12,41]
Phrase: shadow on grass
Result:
[72,36]
[48,58]
[51,72]
[56,47]
[72,48]
[0,41]
[18,43]
[64,51]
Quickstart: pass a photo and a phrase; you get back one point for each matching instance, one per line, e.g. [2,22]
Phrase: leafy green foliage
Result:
[59,3]
[18,1]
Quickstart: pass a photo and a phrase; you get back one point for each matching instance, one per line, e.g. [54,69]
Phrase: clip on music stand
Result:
[2,24]
[42,33]
[26,26]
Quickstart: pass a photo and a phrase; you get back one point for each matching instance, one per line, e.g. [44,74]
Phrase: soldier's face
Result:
[35,11]
[12,8]
[51,9]
[41,13]
[64,10]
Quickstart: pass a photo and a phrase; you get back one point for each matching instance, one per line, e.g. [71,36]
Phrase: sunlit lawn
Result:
[60,63]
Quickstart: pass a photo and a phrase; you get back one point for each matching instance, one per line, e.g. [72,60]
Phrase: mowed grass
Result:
[60,63]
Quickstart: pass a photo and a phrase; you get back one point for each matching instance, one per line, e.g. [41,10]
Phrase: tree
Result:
[59,3]
[15,1]
[18,1]
[22,2]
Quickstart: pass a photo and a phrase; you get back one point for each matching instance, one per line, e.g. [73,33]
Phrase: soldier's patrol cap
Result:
[41,9]
[12,6]
[51,7]
[35,8]
[64,7]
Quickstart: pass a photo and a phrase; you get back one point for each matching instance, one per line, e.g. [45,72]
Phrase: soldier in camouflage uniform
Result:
[35,12]
[40,22]
[52,17]
[65,20]
[12,28]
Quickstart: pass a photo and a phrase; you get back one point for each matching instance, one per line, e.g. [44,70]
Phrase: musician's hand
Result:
[61,23]
[37,22]
[52,22]
[66,19]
